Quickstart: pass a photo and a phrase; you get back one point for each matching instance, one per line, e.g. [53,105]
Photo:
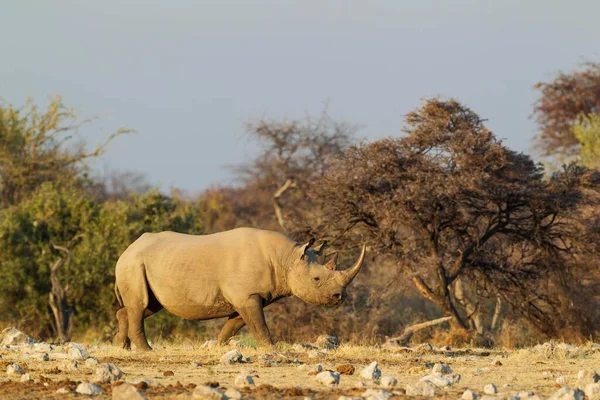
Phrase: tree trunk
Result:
[61,309]
[443,300]
[473,309]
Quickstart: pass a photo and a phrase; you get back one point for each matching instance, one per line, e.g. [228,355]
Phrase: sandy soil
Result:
[290,372]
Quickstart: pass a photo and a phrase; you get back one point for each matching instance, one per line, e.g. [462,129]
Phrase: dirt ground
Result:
[285,371]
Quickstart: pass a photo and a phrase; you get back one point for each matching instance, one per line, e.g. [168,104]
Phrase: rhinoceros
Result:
[232,274]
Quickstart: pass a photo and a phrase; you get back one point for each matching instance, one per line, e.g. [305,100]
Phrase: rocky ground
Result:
[321,370]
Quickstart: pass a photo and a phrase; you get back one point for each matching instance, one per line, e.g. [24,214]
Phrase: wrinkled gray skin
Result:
[231,274]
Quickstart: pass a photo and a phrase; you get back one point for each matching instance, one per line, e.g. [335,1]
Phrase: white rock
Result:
[561,380]
[469,395]
[233,393]
[91,361]
[376,394]
[77,351]
[244,381]
[63,390]
[592,391]
[328,378]
[328,342]
[25,378]
[441,369]
[107,373]
[441,381]
[490,388]
[12,336]
[421,388]
[14,369]
[208,344]
[371,372]
[388,381]
[586,376]
[42,347]
[566,393]
[207,392]
[89,389]
[231,357]
[126,391]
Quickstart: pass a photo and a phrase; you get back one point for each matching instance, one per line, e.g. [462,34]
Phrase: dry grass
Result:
[534,369]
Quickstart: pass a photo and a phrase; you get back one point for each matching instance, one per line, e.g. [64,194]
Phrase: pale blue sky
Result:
[188,74]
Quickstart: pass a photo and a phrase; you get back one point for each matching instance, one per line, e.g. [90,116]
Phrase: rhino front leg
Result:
[252,314]
[231,327]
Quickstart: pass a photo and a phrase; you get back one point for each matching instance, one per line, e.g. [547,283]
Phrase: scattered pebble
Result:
[388,381]
[207,392]
[107,373]
[421,388]
[490,388]
[233,393]
[328,378]
[127,391]
[231,357]
[244,381]
[25,378]
[566,393]
[371,372]
[376,394]
[89,389]
[345,369]
[592,391]
[469,395]
[14,369]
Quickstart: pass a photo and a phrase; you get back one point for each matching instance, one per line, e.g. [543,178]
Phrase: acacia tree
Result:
[450,202]
[560,105]
[294,154]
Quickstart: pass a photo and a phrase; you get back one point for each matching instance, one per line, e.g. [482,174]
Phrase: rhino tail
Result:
[118,295]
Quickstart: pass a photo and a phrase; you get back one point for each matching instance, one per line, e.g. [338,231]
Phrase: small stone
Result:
[371,372]
[244,381]
[497,363]
[561,380]
[566,393]
[490,388]
[469,395]
[107,373]
[63,390]
[89,389]
[441,381]
[376,394]
[592,391]
[207,392]
[233,393]
[168,373]
[421,388]
[328,378]
[388,381]
[585,377]
[440,368]
[328,342]
[14,369]
[209,344]
[12,336]
[196,364]
[25,378]
[91,361]
[127,391]
[231,357]
[77,351]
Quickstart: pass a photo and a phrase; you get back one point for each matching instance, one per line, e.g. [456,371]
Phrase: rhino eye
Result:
[316,279]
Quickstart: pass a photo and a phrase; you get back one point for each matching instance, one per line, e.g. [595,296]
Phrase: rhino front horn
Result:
[350,273]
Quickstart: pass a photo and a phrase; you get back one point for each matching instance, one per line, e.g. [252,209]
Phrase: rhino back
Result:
[204,276]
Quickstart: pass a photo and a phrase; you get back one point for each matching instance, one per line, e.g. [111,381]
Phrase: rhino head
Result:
[316,283]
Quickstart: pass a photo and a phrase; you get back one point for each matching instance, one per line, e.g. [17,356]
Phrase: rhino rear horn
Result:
[350,273]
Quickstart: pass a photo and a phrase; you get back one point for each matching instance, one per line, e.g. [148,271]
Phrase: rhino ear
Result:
[307,246]
[321,250]
[332,264]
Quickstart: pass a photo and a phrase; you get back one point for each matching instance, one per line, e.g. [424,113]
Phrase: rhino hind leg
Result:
[231,327]
[121,339]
